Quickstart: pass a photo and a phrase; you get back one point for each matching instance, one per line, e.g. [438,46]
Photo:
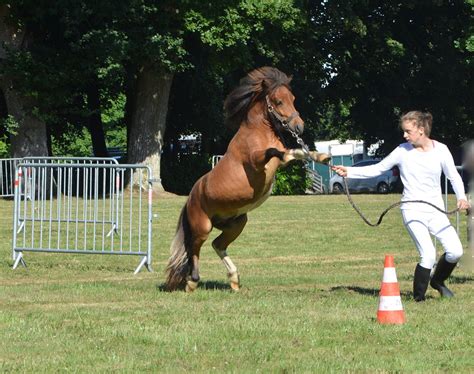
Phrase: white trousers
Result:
[421,224]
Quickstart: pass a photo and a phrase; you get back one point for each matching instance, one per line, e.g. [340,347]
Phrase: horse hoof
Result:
[325,159]
[191,286]
[234,279]
[322,158]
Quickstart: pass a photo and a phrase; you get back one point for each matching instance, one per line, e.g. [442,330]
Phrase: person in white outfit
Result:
[421,161]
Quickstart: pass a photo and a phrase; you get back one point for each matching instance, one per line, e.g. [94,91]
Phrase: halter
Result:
[285,122]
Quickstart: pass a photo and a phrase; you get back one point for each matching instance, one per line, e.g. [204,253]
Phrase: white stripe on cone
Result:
[389,275]
[388,303]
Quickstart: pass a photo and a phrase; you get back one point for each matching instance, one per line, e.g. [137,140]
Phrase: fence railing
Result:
[82,208]
[7,168]
[215,159]
[7,176]
[317,185]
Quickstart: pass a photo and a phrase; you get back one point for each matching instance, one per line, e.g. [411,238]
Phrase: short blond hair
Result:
[421,119]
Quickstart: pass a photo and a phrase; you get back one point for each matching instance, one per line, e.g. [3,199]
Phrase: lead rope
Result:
[356,208]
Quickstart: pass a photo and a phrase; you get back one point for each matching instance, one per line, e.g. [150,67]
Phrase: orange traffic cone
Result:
[390,304]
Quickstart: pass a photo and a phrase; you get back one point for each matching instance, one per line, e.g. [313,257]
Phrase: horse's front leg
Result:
[260,158]
[322,158]
[300,154]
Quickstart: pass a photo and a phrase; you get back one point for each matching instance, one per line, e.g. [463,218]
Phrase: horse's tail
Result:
[179,262]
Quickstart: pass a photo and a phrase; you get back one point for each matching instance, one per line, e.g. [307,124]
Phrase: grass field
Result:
[310,269]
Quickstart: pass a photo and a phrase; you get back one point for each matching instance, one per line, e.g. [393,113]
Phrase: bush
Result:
[291,180]
[7,125]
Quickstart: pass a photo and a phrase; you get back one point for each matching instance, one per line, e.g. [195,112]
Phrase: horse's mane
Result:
[252,88]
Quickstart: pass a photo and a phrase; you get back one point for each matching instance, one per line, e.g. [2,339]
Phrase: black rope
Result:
[356,208]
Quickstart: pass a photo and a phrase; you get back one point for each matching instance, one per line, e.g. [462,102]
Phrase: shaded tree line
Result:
[162,69]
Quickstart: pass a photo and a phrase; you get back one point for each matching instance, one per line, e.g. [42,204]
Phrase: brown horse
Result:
[262,106]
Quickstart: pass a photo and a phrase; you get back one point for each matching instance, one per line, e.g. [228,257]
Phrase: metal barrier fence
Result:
[7,176]
[317,185]
[70,160]
[83,209]
[7,168]
[215,159]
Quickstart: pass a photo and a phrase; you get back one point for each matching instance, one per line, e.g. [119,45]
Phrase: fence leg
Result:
[144,261]
[113,230]
[18,260]
[21,224]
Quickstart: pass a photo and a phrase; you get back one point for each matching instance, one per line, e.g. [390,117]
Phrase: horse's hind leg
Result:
[193,279]
[230,231]
[200,228]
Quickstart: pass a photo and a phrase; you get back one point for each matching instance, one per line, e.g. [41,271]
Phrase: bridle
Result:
[285,122]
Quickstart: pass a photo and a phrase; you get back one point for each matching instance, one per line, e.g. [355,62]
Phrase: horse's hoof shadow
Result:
[163,287]
[207,285]
[215,286]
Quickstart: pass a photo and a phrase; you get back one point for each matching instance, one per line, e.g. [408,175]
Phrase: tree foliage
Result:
[386,58]
[357,64]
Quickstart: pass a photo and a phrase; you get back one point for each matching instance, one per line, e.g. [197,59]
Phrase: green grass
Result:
[310,269]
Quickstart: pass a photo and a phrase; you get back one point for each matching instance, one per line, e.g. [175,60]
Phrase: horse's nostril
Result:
[299,128]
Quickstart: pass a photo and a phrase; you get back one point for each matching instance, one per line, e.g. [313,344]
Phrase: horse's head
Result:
[270,87]
[281,108]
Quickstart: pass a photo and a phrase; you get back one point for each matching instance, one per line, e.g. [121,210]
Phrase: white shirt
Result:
[420,173]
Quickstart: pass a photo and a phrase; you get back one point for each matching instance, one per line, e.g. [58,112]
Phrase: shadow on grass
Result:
[215,285]
[359,290]
[207,285]
[460,279]
[367,291]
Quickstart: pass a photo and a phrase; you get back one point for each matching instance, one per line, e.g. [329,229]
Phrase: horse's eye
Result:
[278,102]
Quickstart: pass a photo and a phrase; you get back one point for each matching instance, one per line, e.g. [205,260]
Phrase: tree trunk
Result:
[30,137]
[94,122]
[149,107]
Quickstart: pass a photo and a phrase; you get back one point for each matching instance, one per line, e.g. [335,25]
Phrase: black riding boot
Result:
[420,282]
[442,272]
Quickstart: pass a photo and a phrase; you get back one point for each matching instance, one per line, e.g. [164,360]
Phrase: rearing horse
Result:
[263,108]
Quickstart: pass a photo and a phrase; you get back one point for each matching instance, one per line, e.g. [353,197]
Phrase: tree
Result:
[70,68]
[224,41]
[386,58]
[29,136]
[151,42]
[226,36]
[357,66]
